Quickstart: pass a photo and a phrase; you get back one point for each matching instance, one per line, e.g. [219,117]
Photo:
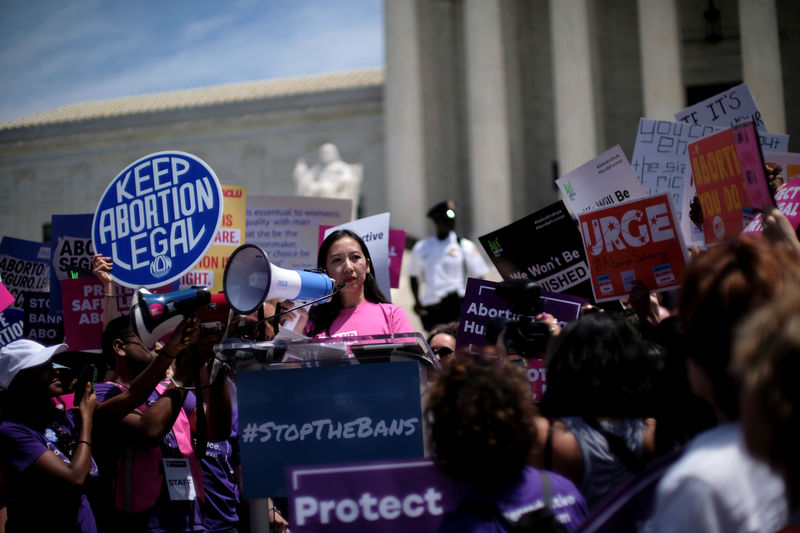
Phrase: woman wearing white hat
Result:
[45,453]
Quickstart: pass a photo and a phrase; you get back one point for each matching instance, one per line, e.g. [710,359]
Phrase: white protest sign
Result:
[724,109]
[374,231]
[287,227]
[157,218]
[606,180]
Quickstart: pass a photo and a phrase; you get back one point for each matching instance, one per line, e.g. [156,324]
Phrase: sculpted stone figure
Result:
[330,177]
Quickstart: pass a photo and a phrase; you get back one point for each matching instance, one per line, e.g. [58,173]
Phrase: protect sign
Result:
[157,218]
[635,240]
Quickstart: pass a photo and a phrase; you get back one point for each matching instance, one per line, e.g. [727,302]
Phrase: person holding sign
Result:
[358,307]
[45,453]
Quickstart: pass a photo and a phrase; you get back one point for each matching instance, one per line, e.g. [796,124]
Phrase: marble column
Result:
[487,117]
[573,83]
[761,60]
[660,53]
[404,133]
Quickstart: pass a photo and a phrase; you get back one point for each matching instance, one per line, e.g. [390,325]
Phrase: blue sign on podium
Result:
[158,218]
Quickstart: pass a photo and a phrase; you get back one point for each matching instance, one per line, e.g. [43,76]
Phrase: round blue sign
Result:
[158,218]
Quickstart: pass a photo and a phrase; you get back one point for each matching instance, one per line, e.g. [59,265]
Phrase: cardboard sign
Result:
[482,305]
[607,179]
[24,266]
[384,497]
[326,415]
[287,227]
[635,240]
[661,162]
[724,109]
[374,231]
[788,200]
[157,218]
[788,160]
[544,246]
[724,183]
[209,270]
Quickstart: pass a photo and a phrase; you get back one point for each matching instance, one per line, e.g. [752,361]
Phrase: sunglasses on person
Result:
[442,351]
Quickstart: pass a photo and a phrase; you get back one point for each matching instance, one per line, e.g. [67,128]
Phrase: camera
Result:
[524,335]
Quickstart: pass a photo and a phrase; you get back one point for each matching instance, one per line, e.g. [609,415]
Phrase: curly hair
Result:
[322,316]
[600,366]
[481,419]
[767,361]
[720,288]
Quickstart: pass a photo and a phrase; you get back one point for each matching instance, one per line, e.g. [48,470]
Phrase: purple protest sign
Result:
[365,497]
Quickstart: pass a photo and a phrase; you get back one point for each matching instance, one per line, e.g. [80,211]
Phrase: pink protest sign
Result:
[748,150]
[788,200]
[634,240]
[6,298]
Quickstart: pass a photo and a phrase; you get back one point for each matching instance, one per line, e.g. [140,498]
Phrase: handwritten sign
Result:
[157,218]
[327,415]
[544,246]
[724,109]
[607,179]
[637,240]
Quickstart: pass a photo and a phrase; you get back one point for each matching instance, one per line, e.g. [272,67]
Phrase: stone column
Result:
[660,53]
[761,60]
[404,133]
[573,84]
[487,119]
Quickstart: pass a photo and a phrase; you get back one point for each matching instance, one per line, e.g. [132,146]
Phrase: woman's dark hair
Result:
[481,419]
[117,328]
[600,366]
[451,328]
[322,316]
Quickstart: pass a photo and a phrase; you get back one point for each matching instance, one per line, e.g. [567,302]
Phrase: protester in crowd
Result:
[716,485]
[442,340]
[443,261]
[482,432]
[45,453]
[144,496]
[767,363]
[599,395]
[359,307]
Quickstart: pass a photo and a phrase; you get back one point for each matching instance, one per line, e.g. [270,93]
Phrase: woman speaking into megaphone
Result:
[358,307]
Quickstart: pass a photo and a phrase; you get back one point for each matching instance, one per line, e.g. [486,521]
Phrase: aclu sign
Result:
[158,218]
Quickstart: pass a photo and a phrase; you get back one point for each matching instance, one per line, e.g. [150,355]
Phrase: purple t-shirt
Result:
[368,318]
[30,506]
[220,510]
[568,505]
[166,514]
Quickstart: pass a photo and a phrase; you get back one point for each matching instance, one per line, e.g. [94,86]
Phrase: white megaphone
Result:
[250,279]
[155,315]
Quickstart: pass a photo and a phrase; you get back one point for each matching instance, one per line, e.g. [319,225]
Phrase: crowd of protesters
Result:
[654,419]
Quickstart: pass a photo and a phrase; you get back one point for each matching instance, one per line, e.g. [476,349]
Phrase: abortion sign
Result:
[157,218]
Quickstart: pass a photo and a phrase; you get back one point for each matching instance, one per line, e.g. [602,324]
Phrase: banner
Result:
[157,218]
[209,270]
[544,246]
[326,415]
[385,497]
[635,240]
[374,231]
[607,179]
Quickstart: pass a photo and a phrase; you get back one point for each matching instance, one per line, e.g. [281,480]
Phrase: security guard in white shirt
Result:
[444,262]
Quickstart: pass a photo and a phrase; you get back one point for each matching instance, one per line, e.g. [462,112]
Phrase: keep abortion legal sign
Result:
[157,218]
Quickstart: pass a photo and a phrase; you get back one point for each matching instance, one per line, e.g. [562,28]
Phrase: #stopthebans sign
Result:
[158,218]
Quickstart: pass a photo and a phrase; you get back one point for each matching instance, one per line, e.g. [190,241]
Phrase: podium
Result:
[327,401]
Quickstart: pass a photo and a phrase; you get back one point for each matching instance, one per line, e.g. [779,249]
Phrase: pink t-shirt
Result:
[368,318]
